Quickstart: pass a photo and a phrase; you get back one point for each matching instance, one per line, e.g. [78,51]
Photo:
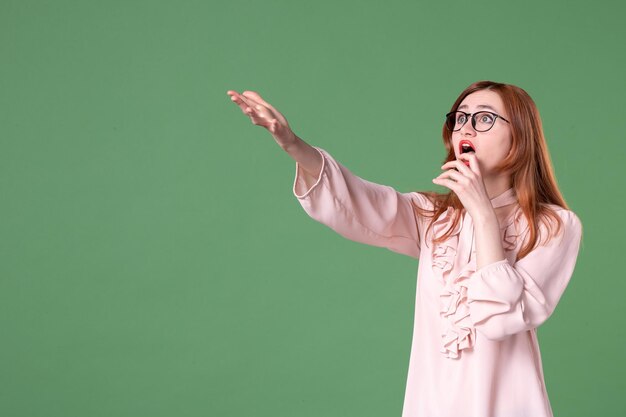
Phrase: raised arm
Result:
[264,114]
[357,209]
[360,210]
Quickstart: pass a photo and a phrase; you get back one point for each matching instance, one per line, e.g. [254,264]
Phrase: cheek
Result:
[506,146]
[504,149]
[503,144]
[497,152]
[500,152]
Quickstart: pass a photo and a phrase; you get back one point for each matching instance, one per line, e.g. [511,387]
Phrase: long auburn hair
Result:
[528,162]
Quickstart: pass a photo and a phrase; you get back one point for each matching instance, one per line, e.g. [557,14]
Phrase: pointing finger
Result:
[241,101]
[255,96]
[246,103]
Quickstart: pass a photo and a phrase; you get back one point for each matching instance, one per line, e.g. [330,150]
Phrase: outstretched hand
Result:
[262,113]
[467,183]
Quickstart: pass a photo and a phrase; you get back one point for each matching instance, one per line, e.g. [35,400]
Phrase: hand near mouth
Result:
[467,183]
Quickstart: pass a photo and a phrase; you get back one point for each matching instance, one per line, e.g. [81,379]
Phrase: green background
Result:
[153,259]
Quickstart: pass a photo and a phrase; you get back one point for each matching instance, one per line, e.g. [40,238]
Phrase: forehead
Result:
[478,99]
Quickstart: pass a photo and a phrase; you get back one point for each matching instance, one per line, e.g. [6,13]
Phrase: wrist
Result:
[288,141]
[486,219]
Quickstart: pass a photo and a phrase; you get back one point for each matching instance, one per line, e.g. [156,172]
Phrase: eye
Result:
[460,118]
[486,118]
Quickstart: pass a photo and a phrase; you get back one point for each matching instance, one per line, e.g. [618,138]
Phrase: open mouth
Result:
[466,146]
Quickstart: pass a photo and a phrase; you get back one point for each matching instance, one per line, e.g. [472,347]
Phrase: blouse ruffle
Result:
[458,331]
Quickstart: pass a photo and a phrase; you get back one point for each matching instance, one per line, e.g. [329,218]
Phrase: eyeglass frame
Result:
[470,116]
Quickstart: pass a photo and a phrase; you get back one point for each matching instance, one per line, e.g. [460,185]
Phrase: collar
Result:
[504,199]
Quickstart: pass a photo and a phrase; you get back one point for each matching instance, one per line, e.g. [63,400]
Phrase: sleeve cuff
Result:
[493,265]
[304,183]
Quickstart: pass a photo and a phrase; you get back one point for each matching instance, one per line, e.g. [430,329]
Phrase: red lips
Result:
[465,141]
[468,142]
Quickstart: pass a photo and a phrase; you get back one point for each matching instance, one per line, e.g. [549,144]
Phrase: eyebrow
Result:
[480,106]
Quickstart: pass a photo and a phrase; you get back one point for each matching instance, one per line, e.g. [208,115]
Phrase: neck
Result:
[497,185]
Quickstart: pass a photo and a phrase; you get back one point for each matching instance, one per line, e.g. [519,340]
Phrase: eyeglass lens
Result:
[481,123]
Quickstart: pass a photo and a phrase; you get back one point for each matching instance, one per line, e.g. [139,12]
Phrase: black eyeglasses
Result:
[482,121]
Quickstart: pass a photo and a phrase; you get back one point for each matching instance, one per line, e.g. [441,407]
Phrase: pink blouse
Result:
[475,351]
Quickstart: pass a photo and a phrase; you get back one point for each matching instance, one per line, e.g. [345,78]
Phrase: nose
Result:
[468,128]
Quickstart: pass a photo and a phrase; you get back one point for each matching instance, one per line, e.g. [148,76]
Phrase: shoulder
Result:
[425,200]
[569,227]
[569,218]
[430,198]
[552,221]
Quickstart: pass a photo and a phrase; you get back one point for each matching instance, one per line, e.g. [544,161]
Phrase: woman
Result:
[495,253]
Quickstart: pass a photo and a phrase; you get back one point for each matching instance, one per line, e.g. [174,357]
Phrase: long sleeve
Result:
[506,299]
[360,210]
